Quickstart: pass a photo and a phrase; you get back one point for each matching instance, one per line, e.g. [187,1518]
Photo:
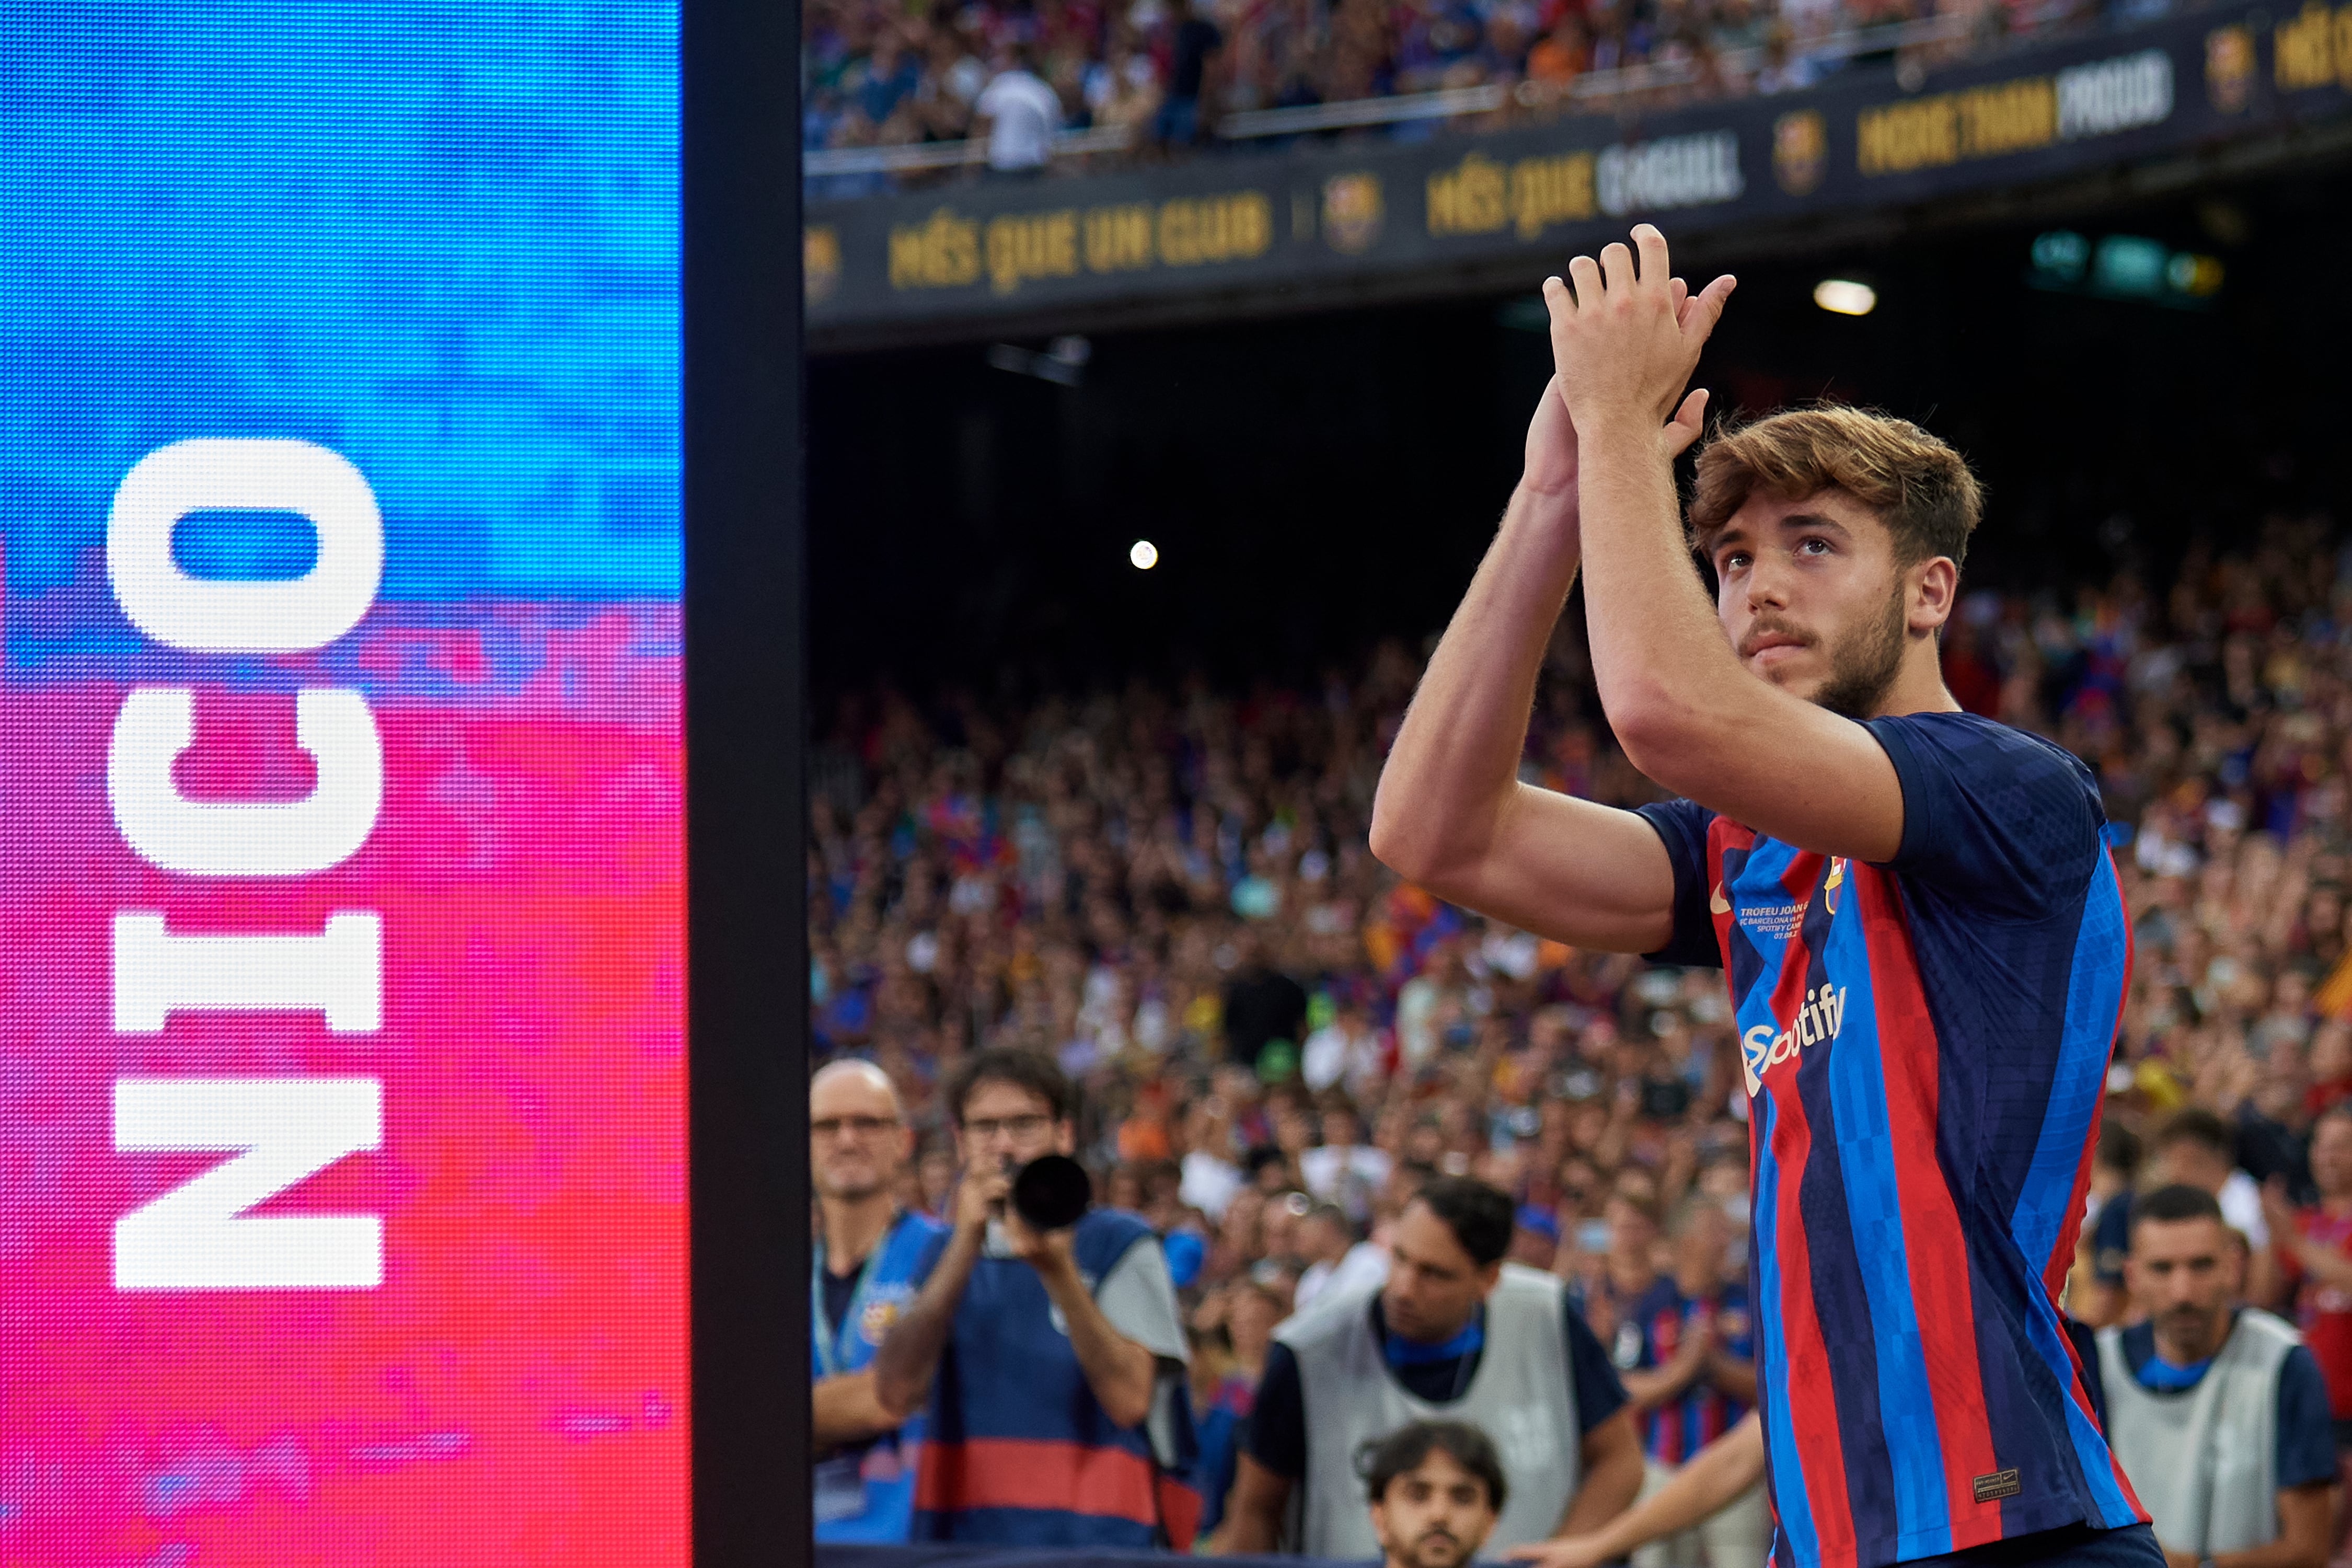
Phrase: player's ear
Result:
[1931,588]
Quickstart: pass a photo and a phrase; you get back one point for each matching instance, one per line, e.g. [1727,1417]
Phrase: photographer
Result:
[1058,1415]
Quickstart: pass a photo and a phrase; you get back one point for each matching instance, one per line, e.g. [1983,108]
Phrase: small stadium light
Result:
[1844,297]
[2061,255]
[1143,555]
[2200,277]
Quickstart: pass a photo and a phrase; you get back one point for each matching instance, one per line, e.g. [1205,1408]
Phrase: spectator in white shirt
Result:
[1344,1170]
[1209,1177]
[1326,1236]
[1019,113]
[1346,1053]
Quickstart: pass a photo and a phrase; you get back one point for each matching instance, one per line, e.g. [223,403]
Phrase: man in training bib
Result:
[862,1275]
[1925,941]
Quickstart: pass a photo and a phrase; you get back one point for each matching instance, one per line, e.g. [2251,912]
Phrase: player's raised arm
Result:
[1452,814]
[1724,704]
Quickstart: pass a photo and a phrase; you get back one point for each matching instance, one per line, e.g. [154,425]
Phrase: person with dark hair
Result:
[2217,1412]
[1435,1490]
[2194,1147]
[1193,49]
[1336,1258]
[1262,1005]
[1454,1331]
[1054,1360]
[2094,1290]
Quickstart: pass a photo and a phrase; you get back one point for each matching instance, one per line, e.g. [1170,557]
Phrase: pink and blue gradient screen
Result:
[438,241]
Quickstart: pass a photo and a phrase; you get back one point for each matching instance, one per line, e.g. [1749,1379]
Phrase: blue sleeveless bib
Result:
[867,1493]
[1019,1453]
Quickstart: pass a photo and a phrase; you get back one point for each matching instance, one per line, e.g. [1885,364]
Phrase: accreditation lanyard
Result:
[831,1350]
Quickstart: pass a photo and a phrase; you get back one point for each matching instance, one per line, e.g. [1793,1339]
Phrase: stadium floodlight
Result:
[1143,555]
[1844,297]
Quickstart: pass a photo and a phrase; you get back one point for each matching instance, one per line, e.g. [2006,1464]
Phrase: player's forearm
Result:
[1658,655]
[1456,757]
[1715,1476]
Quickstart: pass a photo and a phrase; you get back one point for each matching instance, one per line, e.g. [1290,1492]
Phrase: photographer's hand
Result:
[1049,1252]
[981,1197]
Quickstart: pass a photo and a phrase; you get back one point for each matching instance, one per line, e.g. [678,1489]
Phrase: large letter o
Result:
[207,615]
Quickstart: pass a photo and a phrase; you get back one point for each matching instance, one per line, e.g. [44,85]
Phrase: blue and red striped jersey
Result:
[1924,1046]
[1653,1333]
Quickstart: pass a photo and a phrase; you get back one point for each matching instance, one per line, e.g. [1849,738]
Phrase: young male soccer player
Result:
[1925,944]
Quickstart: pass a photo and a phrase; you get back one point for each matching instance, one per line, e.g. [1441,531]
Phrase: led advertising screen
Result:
[342,1203]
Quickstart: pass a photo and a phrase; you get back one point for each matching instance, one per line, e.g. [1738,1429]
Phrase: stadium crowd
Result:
[879,73]
[1169,891]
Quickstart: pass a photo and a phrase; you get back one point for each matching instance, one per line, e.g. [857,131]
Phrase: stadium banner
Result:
[342,1214]
[1258,221]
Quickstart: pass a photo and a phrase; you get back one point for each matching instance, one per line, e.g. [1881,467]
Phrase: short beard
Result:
[1863,667]
[1459,1554]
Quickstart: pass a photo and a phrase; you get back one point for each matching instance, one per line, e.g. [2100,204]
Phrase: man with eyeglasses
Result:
[862,1276]
[1054,1360]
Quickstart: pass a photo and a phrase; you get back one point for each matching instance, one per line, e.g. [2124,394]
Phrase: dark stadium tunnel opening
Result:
[1317,482]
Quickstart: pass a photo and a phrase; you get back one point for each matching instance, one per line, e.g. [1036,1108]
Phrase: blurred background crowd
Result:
[1168,888]
[1164,74]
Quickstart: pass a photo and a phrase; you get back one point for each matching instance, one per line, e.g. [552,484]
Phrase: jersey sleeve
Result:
[2306,1435]
[1681,826]
[1992,814]
[1278,1423]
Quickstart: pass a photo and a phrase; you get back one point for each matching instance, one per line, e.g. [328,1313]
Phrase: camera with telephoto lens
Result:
[1051,1193]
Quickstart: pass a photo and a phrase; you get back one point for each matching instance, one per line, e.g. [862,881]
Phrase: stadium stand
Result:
[1092,876]
[893,91]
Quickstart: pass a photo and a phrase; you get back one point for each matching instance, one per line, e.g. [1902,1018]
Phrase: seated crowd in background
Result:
[878,73]
[1278,1048]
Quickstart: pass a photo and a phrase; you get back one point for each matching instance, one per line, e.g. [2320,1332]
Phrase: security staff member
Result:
[2218,1414]
[863,1275]
[1453,1334]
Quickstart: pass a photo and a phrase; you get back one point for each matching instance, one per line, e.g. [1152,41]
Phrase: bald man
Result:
[862,1276]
